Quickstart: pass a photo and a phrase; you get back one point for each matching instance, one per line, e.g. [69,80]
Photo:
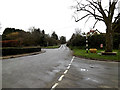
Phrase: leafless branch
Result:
[92,7]
[88,19]
[116,18]
[81,18]
[95,24]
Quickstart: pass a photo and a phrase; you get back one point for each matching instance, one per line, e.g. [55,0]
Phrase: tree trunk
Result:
[109,39]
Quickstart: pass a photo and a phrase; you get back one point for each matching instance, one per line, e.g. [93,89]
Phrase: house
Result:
[93,32]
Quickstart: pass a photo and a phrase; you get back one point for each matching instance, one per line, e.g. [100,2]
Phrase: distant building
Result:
[93,32]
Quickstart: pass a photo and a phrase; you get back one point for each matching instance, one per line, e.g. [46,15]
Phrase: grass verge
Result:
[51,47]
[97,56]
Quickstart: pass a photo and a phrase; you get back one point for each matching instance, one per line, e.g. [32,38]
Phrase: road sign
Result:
[101,45]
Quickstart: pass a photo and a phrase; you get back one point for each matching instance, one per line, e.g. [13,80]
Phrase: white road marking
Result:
[72,59]
[61,78]
[54,86]
[65,71]
[71,62]
[68,67]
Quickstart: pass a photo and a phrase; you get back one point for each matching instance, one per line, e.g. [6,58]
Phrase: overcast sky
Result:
[50,15]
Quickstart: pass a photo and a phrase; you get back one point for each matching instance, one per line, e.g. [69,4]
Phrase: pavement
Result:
[57,68]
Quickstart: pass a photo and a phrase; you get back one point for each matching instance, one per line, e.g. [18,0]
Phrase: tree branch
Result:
[88,19]
[112,8]
[115,27]
[81,18]
[92,7]
[94,4]
[100,18]
[95,24]
[116,18]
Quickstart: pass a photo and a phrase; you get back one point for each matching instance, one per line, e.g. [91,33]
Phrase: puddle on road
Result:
[53,72]
[50,75]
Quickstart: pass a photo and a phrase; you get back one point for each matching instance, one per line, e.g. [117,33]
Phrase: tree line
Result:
[79,40]
[33,37]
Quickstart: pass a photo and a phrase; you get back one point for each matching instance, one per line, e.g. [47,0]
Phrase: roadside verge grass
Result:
[51,47]
[97,56]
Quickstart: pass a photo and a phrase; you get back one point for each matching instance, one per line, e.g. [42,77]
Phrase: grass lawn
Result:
[82,53]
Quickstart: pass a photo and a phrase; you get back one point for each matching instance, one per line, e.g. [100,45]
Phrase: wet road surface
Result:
[44,70]
[91,74]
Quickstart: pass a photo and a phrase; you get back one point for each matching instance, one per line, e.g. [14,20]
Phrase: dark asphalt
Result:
[43,71]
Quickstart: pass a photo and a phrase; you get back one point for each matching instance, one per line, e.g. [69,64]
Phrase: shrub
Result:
[15,51]
[94,41]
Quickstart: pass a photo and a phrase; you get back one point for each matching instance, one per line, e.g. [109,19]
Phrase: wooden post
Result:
[86,44]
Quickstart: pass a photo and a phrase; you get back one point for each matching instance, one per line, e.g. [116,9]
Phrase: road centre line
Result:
[54,86]
[61,77]
[72,59]
[71,62]
[65,71]
[68,67]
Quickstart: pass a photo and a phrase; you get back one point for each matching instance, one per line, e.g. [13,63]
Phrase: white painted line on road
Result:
[72,59]
[65,71]
[71,62]
[60,79]
[54,86]
[68,67]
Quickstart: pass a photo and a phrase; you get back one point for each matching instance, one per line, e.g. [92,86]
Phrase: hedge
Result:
[10,43]
[15,51]
[94,41]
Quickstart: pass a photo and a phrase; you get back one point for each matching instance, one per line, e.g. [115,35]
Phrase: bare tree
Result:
[94,8]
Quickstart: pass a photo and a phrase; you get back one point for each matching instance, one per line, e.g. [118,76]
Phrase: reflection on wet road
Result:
[44,70]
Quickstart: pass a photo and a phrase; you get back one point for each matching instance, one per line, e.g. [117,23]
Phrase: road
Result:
[57,68]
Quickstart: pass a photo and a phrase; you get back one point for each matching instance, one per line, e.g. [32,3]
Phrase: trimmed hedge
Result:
[10,43]
[15,51]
